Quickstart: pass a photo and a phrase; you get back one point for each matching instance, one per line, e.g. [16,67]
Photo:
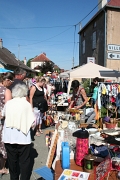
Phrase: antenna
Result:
[18,50]
[73,62]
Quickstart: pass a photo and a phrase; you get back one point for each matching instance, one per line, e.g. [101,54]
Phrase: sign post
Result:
[113,47]
[91,59]
[112,55]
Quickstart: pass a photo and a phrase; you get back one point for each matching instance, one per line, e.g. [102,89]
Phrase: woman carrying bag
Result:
[38,101]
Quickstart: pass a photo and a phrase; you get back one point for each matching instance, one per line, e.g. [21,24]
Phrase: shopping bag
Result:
[43,106]
[37,116]
[49,120]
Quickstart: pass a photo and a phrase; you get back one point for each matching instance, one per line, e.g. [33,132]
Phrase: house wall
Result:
[113,35]
[1,66]
[87,35]
[34,64]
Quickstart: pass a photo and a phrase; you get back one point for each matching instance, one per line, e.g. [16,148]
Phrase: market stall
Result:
[86,151]
[95,155]
[64,74]
[74,153]
[90,70]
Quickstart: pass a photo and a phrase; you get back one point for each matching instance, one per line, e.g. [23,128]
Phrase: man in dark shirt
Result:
[20,75]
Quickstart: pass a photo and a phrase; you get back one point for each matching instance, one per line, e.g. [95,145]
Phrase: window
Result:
[83,47]
[94,24]
[94,40]
[83,34]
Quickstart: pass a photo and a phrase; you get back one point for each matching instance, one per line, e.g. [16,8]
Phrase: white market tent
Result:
[64,74]
[91,70]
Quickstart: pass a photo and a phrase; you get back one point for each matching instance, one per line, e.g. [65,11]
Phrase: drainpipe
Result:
[79,50]
[80,45]
[105,53]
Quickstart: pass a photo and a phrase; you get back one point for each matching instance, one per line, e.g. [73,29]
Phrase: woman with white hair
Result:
[16,132]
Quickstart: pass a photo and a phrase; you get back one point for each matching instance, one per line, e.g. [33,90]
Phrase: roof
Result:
[111,3]
[7,58]
[56,67]
[62,70]
[41,58]
[22,65]
[114,3]
[37,67]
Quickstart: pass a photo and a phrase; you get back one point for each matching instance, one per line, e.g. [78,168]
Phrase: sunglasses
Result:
[9,80]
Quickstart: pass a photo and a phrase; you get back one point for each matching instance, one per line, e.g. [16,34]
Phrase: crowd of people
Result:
[20,97]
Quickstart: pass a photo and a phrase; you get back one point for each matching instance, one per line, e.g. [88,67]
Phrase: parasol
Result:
[3,70]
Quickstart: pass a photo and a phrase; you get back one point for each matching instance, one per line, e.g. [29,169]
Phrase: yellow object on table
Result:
[77,116]
[73,110]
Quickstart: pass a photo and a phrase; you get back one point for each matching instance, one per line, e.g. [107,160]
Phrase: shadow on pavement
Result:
[33,155]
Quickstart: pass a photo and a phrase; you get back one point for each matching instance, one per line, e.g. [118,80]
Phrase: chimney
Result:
[25,61]
[101,4]
[44,53]
[1,43]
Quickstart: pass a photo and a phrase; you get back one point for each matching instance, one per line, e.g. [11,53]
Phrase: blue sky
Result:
[31,27]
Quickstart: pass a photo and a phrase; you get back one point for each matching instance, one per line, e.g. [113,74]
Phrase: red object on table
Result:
[73,166]
[81,150]
[82,144]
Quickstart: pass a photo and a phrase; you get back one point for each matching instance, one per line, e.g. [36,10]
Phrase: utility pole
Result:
[73,62]
[18,53]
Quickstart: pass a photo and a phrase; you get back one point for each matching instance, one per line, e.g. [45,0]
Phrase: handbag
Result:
[49,120]
[43,106]
[74,103]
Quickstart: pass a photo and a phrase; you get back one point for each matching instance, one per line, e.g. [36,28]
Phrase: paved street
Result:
[38,155]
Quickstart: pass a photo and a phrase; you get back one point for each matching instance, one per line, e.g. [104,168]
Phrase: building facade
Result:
[99,38]
[39,60]
[9,61]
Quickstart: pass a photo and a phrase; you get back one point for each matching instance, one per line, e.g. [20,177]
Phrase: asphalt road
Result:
[39,154]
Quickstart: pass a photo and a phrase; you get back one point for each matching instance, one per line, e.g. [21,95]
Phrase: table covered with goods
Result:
[83,152]
[79,150]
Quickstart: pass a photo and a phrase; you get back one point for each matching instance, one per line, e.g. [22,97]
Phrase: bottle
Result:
[65,155]
[82,145]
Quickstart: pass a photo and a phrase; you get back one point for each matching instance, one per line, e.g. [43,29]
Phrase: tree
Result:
[86,85]
[47,66]
[28,62]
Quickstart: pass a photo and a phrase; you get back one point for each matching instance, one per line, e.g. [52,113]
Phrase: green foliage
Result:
[39,74]
[57,70]
[103,112]
[86,85]
[47,66]
[28,62]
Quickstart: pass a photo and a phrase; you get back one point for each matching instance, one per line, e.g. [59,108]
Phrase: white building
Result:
[39,60]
